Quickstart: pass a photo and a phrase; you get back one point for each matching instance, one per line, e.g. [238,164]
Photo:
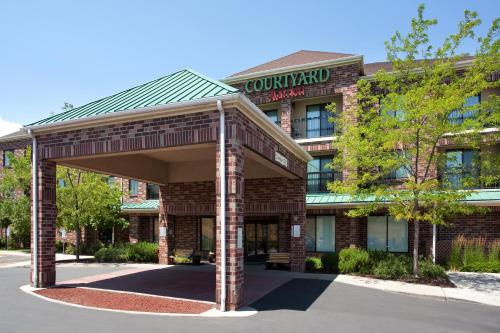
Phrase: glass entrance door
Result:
[261,238]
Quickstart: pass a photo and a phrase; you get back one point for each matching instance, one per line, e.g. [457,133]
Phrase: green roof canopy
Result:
[329,199]
[182,86]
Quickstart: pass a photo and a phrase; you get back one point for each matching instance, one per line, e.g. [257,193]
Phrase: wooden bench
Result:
[185,253]
[278,258]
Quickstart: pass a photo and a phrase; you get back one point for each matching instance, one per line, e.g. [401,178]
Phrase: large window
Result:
[152,192]
[320,234]
[319,174]
[460,165]
[156,228]
[457,117]
[6,158]
[207,234]
[133,187]
[317,121]
[403,170]
[273,115]
[387,234]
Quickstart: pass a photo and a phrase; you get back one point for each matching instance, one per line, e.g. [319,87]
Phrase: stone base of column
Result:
[46,277]
[234,298]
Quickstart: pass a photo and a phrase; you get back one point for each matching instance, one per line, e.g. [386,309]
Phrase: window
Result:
[6,158]
[320,234]
[152,192]
[62,182]
[460,165]
[111,181]
[156,229]
[458,117]
[387,234]
[133,187]
[319,174]
[273,115]
[207,234]
[317,121]
[402,171]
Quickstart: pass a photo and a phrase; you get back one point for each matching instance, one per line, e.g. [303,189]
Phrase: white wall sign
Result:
[296,230]
[281,159]
[8,231]
[240,238]
[63,233]
[163,231]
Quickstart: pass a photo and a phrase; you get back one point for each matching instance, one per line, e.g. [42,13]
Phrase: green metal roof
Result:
[326,199]
[182,86]
[143,205]
[332,199]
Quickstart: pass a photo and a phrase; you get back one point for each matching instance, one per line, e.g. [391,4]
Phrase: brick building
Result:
[161,143]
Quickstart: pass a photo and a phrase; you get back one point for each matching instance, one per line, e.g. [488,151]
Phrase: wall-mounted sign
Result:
[281,159]
[240,238]
[277,95]
[290,80]
[296,230]
[163,231]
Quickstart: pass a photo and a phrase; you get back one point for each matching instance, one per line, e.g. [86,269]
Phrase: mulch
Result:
[124,301]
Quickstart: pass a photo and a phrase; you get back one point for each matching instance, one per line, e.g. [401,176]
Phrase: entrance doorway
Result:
[261,238]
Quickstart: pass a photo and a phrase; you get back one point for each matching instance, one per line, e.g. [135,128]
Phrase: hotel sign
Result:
[281,159]
[287,85]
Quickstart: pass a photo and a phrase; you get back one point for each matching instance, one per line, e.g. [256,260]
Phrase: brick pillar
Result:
[286,115]
[349,108]
[47,213]
[165,223]
[133,229]
[234,222]
[298,223]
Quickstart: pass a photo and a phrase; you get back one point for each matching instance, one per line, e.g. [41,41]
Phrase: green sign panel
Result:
[288,80]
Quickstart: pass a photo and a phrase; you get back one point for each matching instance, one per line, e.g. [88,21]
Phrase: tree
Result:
[86,200]
[403,118]
[15,197]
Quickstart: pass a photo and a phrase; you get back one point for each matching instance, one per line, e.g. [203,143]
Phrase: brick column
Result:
[286,115]
[234,222]
[298,242]
[165,223]
[133,229]
[47,213]
[349,108]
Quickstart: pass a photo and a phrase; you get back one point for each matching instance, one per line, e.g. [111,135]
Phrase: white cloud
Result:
[7,127]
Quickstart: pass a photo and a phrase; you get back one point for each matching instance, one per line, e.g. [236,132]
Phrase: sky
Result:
[53,52]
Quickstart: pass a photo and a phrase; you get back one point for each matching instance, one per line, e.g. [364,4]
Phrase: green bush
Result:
[69,249]
[474,251]
[392,267]
[353,260]
[112,254]
[143,252]
[313,264]
[429,270]
[330,262]
[494,253]
[484,266]
[181,260]
[455,259]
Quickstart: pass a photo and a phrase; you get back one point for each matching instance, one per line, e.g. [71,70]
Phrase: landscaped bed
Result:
[124,301]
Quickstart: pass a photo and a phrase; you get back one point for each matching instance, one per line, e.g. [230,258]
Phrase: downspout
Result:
[34,191]
[222,178]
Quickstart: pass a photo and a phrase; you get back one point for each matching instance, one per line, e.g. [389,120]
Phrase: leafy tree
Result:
[405,116]
[86,200]
[15,197]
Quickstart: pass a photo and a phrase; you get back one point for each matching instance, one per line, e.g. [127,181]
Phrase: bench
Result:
[278,258]
[185,253]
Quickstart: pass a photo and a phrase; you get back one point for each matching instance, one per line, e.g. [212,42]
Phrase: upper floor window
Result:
[273,115]
[403,170]
[319,174]
[62,182]
[457,117]
[152,192]
[111,180]
[317,121]
[133,187]
[461,165]
[7,163]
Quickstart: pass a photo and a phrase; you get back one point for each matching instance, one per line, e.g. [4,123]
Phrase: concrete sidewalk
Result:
[22,259]
[481,288]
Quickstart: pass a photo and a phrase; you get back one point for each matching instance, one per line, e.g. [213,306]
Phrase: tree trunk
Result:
[77,245]
[416,234]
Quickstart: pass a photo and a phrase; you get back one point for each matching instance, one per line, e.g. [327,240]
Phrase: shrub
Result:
[112,254]
[392,267]
[353,260]
[494,253]
[313,264]
[455,259]
[143,252]
[474,251]
[485,266]
[70,249]
[330,262]
[181,260]
[427,269]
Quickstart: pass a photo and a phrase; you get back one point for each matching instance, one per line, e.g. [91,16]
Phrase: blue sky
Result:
[66,51]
